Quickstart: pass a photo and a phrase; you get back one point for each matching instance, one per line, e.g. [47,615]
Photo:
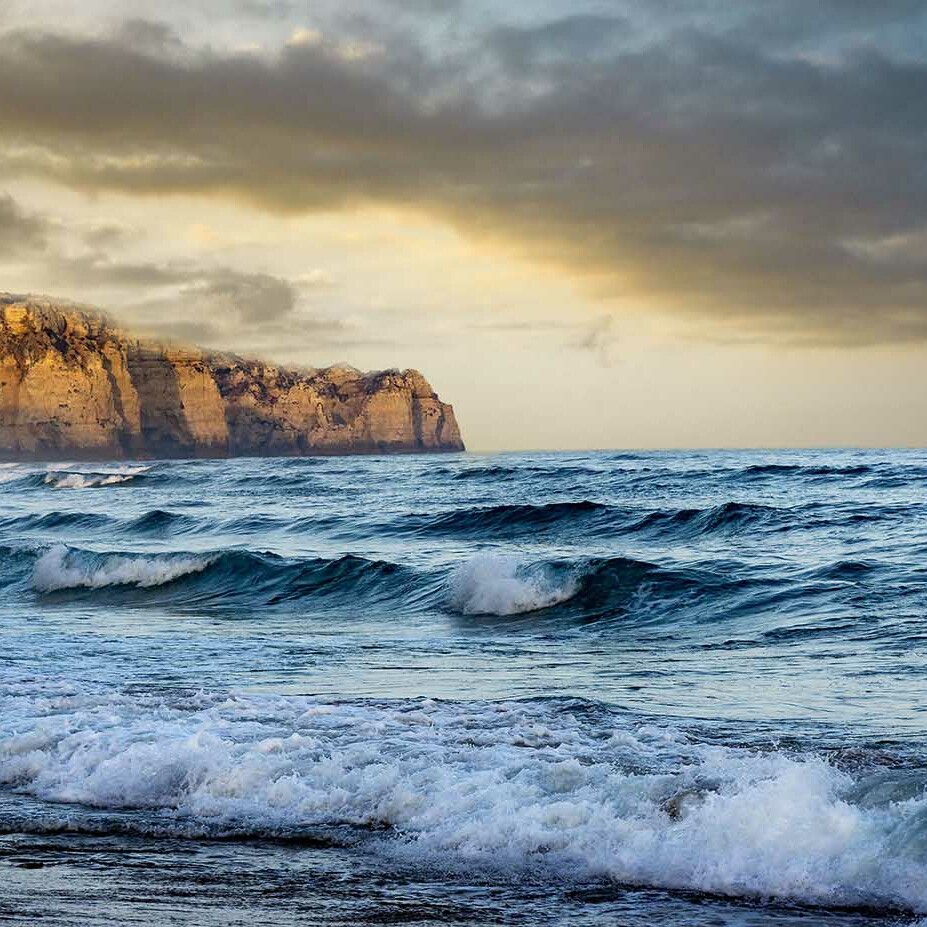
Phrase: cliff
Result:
[72,385]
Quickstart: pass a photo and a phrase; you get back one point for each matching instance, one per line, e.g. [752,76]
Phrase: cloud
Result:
[182,299]
[247,298]
[20,231]
[346,49]
[686,166]
[95,269]
[798,21]
[213,306]
[577,35]
[253,298]
[265,9]
[148,36]
[101,234]
[305,37]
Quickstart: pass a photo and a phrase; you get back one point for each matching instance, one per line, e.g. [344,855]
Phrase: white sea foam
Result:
[78,479]
[516,786]
[497,584]
[61,567]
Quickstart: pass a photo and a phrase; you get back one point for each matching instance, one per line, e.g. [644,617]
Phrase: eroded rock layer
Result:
[72,385]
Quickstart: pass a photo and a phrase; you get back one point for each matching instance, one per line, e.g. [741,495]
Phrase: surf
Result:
[563,791]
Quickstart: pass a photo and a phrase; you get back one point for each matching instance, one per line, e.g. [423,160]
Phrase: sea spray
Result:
[496,584]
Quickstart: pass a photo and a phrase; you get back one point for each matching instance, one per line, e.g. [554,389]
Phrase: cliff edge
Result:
[73,385]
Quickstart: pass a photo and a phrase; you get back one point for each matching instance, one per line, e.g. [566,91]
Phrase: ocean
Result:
[684,688]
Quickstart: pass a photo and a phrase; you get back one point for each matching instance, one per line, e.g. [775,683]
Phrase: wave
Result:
[584,590]
[606,595]
[56,521]
[850,570]
[493,584]
[482,473]
[161,523]
[587,589]
[613,594]
[588,519]
[724,517]
[893,481]
[595,519]
[80,479]
[220,579]
[804,470]
[62,567]
[494,472]
[564,791]
[511,518]
[553,593]
[155,523]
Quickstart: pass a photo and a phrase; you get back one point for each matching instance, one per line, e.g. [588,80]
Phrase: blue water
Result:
[545,689]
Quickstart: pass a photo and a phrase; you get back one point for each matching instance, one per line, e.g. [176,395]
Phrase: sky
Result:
[680,223]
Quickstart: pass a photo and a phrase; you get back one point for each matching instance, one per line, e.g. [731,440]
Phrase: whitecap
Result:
[61,567]
[79,479]
[498,584]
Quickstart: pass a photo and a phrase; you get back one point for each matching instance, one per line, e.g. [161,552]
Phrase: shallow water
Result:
[552,688]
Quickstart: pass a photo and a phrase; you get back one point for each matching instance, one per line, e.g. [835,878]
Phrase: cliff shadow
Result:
[164,426]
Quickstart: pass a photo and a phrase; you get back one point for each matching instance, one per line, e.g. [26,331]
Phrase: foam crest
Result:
[61,567]
[565,792]
[85,480]
[497,584]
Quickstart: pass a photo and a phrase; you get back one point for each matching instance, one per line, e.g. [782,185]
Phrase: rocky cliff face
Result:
[74,386]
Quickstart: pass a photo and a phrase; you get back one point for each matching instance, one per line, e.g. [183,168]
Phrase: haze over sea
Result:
[577,688]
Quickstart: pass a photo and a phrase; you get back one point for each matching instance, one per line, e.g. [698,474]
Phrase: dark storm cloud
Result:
[206,305]
[149,36]
[102,235]
[20,231]
[97,270]
[521,48]
[182,299]
[800,20]
[718,176]
[253,297]
[203,322]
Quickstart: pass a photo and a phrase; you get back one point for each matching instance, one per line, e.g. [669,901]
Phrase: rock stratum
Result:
[75,386]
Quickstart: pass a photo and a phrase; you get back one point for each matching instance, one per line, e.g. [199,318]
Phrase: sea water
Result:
[604,688]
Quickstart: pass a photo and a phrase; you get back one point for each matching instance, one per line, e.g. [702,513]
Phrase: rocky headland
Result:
[75,386]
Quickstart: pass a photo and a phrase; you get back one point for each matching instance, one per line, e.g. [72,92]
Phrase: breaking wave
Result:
[585,590]
[79,479]
[221,579]
[563,790]
[607,592]
[61,567]
[493,584]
